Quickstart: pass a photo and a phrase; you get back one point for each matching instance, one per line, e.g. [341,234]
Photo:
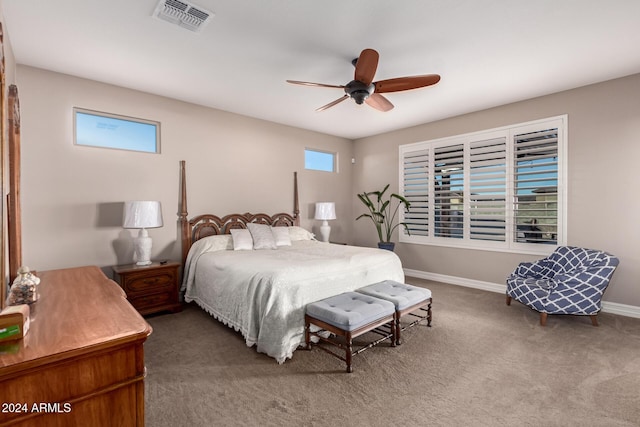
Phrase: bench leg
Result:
[420,319]
[594,319]
[349,352]
[397,329]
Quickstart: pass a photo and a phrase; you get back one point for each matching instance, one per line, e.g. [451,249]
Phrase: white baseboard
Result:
[607,307]
[621,309]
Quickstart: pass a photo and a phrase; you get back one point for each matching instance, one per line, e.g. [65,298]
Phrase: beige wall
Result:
[72,196]
[604,148]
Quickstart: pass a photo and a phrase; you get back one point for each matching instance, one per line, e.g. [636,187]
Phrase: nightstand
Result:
[150,288]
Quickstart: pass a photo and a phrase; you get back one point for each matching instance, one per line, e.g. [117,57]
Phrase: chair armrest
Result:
[583,280]
[537,270]
[583,287]
[586,298]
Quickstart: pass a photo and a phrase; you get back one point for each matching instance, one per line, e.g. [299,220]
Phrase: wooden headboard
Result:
[205,225]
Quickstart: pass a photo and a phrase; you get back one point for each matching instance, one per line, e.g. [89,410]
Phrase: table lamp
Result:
[325,211]
[142,215]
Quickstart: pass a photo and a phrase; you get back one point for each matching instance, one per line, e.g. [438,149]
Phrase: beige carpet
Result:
[482,364]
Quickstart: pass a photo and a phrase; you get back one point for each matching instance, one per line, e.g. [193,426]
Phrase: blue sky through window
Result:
[542,174]
[96,130]
[319,160]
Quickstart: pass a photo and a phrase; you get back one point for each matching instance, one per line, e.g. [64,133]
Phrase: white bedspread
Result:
[262,293]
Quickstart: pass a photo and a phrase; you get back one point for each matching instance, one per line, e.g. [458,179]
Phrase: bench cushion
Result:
[350,310]
[400,294]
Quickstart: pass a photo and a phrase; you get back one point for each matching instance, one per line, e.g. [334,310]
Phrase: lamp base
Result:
[142,247]
[325,230]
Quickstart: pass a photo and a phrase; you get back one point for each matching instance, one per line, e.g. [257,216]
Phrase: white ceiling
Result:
[488,52]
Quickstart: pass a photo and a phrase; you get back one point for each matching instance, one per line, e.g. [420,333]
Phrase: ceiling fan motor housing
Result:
[358,90]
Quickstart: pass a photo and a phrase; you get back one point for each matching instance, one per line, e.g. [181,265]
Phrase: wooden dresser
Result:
[82,361]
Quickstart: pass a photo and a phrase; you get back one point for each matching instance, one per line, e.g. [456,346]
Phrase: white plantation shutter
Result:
[449,191]
[501,189]
[536,186]
[488,189]
[416,191]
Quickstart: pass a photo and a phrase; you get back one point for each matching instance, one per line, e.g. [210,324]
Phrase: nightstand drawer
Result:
[152,301]
[161,281]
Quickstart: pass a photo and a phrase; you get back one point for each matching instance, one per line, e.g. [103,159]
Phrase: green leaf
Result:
[383,214]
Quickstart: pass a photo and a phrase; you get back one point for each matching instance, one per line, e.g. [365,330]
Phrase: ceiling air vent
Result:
[183,14]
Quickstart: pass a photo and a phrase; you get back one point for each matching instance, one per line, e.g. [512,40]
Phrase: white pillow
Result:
[262,236]
[281,235]
[217,242]
[299,233]
[242,240]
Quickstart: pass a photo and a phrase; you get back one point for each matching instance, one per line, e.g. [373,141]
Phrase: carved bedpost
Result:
[183,214]
[296,204]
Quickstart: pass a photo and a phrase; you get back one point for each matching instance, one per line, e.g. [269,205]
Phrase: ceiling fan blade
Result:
[296,82]
[406,83]
[366,66]
[332,103]
[379,102]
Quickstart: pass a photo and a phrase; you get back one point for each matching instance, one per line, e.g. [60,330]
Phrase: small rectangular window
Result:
[319,160]
[95,129]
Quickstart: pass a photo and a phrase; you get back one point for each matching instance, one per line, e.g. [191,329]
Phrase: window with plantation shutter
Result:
[488,189]
[536,186]
[501,189]
[415,172]
[448,191]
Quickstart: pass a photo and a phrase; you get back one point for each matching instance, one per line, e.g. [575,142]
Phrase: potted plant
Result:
[383,214]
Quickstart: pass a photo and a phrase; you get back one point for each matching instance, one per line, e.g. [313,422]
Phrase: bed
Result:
[262,293]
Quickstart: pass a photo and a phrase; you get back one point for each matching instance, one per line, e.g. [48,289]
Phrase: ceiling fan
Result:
[363,89]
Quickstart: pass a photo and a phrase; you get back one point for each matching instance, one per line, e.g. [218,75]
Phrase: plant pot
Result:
[387,245]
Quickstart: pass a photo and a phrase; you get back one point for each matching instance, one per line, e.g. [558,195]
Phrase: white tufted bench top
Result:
[400,294]
[350,310]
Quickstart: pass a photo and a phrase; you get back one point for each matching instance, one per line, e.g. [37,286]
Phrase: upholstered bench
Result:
[407,299]
[349,315]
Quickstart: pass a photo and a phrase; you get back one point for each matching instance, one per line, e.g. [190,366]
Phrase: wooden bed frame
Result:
[205,225]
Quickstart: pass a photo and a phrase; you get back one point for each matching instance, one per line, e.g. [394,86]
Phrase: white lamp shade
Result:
[142,214]
[325,211]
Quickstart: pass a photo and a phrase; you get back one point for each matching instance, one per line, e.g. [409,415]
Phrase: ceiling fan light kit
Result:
[362,89]
[358,91]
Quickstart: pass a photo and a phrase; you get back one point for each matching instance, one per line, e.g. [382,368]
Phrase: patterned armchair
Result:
[569,281]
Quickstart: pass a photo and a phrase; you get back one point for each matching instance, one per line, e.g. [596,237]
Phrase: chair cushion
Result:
[350,310]
[400,294]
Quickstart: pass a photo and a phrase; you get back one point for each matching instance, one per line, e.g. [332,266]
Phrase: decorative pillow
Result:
[262,236]
[281,235]
[218,242]
[242,240]
[299,233]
